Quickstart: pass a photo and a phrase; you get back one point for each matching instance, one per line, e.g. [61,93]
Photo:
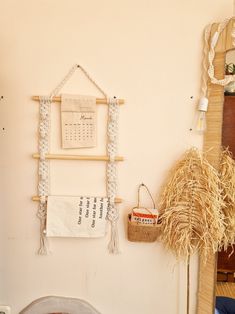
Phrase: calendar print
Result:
[79,130]
[78,125]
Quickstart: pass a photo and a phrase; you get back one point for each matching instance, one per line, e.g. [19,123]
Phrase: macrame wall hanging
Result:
[81,216]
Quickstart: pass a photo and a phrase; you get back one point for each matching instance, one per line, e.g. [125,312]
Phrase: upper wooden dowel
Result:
[116,200]
[99,101]
[78,157]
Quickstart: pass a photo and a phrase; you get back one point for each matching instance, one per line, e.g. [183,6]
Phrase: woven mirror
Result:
[223,34]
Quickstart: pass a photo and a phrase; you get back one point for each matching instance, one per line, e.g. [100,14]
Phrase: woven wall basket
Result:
[142,233]
[139,232]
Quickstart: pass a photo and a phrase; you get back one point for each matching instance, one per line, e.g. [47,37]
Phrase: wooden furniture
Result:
[226,289]
[228,131]
[226,266]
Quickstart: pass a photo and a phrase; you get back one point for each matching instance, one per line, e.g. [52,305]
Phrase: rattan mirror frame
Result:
[212,145]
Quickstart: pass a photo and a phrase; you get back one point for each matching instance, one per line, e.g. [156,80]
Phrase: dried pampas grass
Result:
[227,181]
[190,208]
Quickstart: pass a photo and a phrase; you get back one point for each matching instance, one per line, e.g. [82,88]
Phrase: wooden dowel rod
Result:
[78,157]
[117,199]
[99,101]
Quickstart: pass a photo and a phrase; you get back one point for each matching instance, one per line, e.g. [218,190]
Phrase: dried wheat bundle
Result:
[190,207]
[227,180]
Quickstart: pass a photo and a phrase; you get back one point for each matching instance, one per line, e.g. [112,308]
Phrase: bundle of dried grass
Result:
[227,181]
[190,207]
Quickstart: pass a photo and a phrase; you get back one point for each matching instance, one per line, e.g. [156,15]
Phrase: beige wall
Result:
[148,52]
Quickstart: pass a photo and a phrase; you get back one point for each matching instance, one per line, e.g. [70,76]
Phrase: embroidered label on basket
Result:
[76,216]
[141,215]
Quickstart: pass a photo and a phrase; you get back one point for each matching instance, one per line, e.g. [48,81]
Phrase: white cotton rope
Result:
[205,61]
[69,75]
[211,55]
[43,170]
[203,101]
[112,133]
[208,69]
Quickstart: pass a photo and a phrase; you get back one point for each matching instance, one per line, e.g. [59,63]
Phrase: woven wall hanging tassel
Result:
[192,220]
[190,207]
[227,180]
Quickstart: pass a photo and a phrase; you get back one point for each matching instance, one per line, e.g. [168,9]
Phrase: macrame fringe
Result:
[113,245]
[43,249]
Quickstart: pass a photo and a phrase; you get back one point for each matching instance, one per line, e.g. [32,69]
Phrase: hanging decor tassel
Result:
[227,180]
[114,239]
[190,207]
[43,249]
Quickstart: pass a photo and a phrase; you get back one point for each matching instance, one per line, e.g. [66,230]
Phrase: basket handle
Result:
[139,188]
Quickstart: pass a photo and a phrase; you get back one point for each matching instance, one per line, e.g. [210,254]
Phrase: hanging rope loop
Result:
[142,185]
[69,75]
